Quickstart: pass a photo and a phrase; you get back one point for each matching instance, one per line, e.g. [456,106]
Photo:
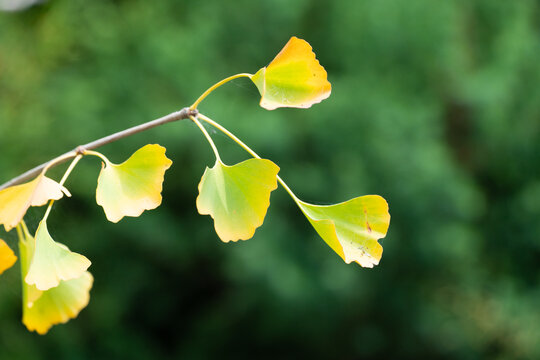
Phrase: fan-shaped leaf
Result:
[43,309]
[352,228]
[53,262]
[133,186]
[237,197]
[293,79]
[7,257]
[58,305]
[15,200]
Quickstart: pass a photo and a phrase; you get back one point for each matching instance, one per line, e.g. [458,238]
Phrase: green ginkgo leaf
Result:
[237,197]
[53,262]
[293,79]
[15,200]
[7,257]
[134,186]
[352,228]
[43,309]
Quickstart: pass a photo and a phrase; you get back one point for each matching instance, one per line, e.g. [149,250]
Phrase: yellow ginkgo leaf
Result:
[53,262]
[15,200]
[58,305]
[352,228]
[133,186]
[7,257]
[43,309]
[237,197]
[293,79]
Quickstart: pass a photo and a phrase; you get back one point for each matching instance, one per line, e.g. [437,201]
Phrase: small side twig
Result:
[185,113]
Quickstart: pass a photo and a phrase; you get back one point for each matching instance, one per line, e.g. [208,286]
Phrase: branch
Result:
[185,113]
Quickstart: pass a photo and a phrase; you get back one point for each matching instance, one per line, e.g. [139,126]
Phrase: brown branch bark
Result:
[185,113]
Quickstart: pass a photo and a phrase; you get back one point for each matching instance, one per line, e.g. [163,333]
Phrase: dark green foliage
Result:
[435,106]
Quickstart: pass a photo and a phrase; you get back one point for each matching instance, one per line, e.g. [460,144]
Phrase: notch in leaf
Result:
[53,262]
[237,197]
[7,257]
[352,228]
[295,78]
[43,309]
[15,200]
[134,186]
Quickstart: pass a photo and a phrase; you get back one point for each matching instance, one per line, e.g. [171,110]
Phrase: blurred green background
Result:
[435,106]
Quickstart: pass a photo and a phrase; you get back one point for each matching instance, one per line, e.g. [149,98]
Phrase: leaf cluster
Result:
[56,281]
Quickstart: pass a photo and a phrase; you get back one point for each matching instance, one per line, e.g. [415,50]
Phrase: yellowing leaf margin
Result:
[237,197]
[7,256]
[130,188]
[352,228]
[295,78]
[15,200]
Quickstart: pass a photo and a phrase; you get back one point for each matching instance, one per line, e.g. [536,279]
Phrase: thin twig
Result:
[185,113]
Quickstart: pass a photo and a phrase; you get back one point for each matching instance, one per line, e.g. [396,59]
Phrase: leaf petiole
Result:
[59,160]
[62,182]
[245,147]
[210,141]
[215,86]
[98,154]
[20,231]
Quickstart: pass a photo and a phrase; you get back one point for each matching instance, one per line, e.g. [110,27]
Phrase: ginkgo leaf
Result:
[293,79]
[352,228]
[133,186]
[7,257]
[53,262]
[15,200]
[237,197]
[58,305]
[43,309]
